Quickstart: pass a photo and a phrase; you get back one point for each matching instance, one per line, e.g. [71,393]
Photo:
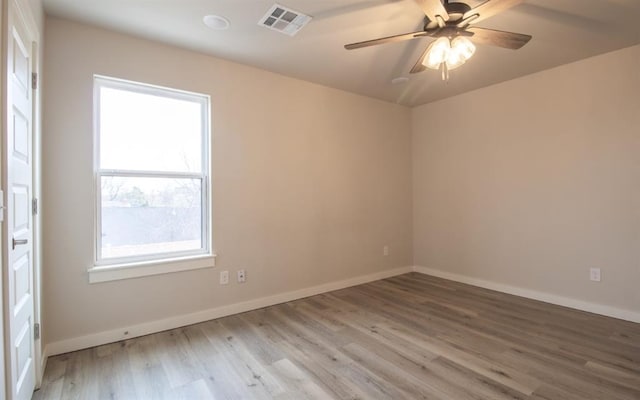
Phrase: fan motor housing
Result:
[455,10]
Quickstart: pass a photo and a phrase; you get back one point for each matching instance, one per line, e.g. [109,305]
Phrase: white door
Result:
[19,296]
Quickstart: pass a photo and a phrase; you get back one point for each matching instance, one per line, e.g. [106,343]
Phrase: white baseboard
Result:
[100,338]
[608,311]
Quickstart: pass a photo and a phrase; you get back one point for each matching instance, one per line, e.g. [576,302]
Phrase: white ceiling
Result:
[563,31]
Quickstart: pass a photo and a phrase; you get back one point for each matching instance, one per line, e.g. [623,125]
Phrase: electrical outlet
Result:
[385,251]
[224,277]
[242,276]
[594,274]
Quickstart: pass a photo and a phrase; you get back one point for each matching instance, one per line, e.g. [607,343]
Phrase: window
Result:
[152,177]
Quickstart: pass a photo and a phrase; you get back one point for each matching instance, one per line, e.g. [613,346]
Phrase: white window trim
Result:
[161,263]
[115,272]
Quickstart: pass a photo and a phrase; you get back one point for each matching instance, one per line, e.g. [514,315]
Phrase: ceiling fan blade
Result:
[419,67]
[488,9]
[433,8]
[388,39]
[507,40]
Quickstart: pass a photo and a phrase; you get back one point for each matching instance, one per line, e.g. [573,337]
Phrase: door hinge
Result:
[34,80]
[34,206]
[36,331]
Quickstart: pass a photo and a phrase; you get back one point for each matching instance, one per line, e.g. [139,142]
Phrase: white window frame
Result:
[158,263]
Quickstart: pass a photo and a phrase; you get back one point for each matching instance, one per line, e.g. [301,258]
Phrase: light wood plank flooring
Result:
[408,337]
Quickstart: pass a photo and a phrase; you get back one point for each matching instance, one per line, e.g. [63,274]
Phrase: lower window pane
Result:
[150,216]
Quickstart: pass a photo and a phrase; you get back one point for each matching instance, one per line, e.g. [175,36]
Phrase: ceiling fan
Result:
[451,23]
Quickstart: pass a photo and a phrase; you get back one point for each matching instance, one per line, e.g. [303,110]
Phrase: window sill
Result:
[135,270]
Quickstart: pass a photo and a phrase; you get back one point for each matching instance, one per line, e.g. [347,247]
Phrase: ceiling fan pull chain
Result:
[445,71]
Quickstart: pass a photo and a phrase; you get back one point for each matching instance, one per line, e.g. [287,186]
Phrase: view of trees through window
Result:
[148,215]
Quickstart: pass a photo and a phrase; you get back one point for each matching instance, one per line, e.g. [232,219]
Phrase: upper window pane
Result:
[143,132]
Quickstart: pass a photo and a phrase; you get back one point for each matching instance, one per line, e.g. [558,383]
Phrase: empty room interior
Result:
[337,199]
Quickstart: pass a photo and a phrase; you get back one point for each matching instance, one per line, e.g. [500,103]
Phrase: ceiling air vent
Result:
[284,20]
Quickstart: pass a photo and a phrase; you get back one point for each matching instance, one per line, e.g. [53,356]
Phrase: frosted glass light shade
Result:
[437,53]
[454,53]
[463,46]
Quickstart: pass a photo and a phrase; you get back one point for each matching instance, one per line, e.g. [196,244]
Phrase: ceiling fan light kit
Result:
[445,54]
[450,24]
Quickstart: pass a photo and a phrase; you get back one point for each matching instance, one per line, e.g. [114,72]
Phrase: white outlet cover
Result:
[224,277]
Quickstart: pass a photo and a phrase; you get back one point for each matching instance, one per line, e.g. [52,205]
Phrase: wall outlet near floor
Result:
[594,274]
[242,276]
[224,277]
[385,251]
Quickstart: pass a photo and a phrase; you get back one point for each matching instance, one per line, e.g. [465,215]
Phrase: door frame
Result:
[8,8]
[3,97]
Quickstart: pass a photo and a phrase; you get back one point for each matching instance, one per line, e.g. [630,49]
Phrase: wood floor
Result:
[408,337]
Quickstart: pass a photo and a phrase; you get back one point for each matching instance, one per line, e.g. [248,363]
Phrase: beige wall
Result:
[309,183]
[532,182]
